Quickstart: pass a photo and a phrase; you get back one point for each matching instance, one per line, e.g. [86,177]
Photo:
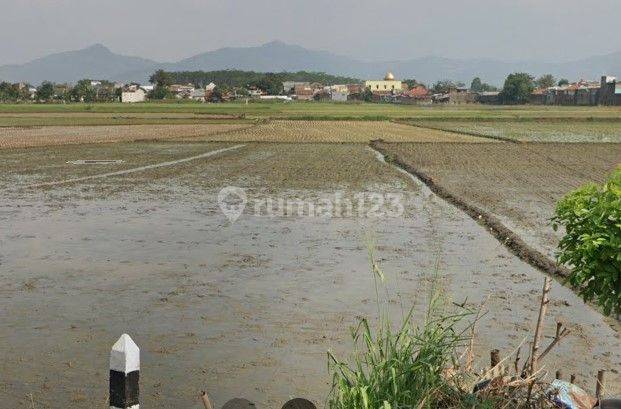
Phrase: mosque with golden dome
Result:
[388,85]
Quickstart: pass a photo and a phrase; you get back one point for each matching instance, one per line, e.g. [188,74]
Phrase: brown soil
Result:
[64,135]
[246,308]
[517,184]
[341,132]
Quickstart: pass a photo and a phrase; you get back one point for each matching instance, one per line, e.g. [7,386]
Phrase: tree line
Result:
[516,89]
[269,82]
[82,91]
[520,85]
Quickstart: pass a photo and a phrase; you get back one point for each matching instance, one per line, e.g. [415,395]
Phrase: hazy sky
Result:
[166,30]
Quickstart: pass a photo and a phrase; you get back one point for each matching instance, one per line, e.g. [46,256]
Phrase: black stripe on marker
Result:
[124,390]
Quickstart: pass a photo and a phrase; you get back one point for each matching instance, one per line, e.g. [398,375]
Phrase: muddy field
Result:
[519,183]
[566,130]
[21,137]
[263,131]
[342,131]
[249,308]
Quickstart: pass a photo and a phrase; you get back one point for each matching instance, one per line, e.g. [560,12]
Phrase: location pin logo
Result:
[232,201]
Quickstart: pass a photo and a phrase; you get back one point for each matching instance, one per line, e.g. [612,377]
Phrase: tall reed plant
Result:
[405,366]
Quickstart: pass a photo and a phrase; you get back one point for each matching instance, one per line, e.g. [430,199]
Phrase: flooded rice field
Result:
[241,306]
[518,183]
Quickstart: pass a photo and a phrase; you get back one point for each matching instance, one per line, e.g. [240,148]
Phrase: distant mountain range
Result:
[98,62]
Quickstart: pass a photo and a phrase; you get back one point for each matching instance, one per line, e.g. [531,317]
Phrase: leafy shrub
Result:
[403,368]
[591,216]
[430,365]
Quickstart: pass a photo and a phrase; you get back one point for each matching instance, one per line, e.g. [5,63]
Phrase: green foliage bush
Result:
[517,88]
[591,216]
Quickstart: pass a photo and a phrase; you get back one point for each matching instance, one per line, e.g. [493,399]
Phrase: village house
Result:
[209,89]
[389,85]
[584,93]
[354,88]
[417,95]
[289,86]
[304,92]
[489,97]
[181,91]
[587,93]
[336,88]
[133,93]
[610,92]
[537,97]
[198,95]
[339,96]
[457,95]
[255,92]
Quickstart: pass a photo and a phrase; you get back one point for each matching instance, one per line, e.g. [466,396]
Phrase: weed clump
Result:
[427,366]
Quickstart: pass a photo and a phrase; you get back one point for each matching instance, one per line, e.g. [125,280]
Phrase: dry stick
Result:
[470,350]
[559,336]
[599,386]
[205,400]
[547,282]
[539,329]
[494,357]
[491,370]
[516,363]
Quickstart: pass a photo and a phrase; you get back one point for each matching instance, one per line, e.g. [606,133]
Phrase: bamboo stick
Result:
[599,386]
[494,357]
[205,399]
[547,283]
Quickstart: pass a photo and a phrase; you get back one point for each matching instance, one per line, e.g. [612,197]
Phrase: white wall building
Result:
[138,95]
[275,97]
[339,96]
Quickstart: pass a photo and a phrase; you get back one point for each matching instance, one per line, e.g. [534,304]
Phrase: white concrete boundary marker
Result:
[125,374]
[139,169]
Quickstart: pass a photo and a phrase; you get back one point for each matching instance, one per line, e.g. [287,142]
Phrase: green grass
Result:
[326,110]
[537,123]
[402,368]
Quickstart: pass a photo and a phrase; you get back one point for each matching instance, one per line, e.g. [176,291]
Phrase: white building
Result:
[131,96]
[289,86]
[198,95]
[339,96]
[275,98]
